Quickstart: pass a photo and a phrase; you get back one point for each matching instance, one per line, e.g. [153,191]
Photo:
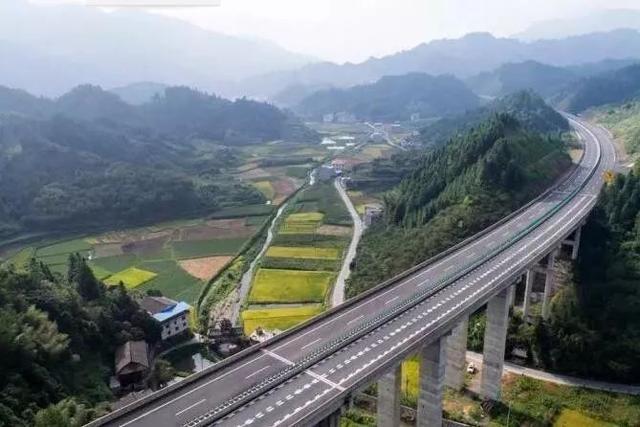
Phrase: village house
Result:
[172,315]
[131,364]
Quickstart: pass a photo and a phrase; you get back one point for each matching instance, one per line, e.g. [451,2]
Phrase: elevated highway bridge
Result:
[305,375]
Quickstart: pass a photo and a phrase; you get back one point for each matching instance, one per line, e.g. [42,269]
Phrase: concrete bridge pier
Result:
[528,286]
[433,361]
[549,283]
[332,420]
[388,406]
[574,242]
[456,355]
[495,338]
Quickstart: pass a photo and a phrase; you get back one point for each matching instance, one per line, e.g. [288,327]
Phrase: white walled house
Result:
[172,315]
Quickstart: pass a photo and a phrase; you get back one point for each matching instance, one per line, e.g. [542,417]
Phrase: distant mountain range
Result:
[47,50]
[464,57]
[393,98]
[600,21]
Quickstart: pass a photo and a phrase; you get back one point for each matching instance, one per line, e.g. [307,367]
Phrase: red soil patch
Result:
[204,268]
[284,188]
[219,229]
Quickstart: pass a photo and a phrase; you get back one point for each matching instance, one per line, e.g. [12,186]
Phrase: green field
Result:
[172,281]
[131,277]
[277,318]
[266,188]
[290,286]
[301,223]
[303,252]
[67,247]
[205,248]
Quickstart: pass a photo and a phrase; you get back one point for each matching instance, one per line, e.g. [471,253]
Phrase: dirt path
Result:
[476,358]
[337,296]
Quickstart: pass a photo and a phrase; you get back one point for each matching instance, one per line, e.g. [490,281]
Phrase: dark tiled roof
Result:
[155,305]
[132,352]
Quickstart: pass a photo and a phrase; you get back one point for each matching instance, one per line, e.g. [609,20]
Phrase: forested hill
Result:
[179,112]
[87,159]
[456,190]
[526,106]
[58,338]
[594,327]
[607,88]
[394,98]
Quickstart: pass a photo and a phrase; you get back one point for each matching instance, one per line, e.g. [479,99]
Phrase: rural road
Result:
[476,358]
[338,289]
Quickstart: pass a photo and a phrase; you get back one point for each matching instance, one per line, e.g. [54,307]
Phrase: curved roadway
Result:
[294,378]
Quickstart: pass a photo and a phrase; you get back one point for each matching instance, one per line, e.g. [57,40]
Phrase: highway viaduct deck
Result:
[305,375]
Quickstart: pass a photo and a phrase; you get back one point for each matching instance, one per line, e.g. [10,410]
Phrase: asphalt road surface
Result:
[295,400]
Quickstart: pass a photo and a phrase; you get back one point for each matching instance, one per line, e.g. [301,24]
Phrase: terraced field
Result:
[290,286]
[298,270]
[278,318]
[174,258]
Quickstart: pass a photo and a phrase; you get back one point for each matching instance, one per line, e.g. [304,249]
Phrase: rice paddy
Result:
[290,286]
[303,252]
[131,277]
[278,318]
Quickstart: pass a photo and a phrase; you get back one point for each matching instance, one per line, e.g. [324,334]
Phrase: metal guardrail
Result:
[382,318]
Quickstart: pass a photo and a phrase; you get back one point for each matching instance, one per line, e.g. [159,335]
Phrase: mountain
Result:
[463,57]
[455,190]
[89,160]
[543,79]
[527,107]
[394,98]
[139,93]
[601,21]
[611,87]
[46,51]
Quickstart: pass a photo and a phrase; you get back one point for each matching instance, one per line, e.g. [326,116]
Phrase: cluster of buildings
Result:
[134,359]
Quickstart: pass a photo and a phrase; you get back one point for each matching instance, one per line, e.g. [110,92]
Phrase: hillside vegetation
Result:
[594,328]
[611,87]
[624,121]
[58,337]
[456,190]
[526,106]
[87,159]
[394,98]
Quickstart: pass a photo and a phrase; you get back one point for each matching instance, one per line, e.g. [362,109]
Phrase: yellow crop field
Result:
[266,188]
[303,252]
[410,377]
[278,318]
[272,286]
[569,418]
[302,223]
[131,277]
[306,217]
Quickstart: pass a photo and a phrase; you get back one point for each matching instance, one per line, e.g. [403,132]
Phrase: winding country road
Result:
[337,296]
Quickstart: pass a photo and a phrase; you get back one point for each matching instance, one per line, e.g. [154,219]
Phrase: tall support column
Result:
[456,355]
[495,337]
[332,420]
[526,305]
[512,294]
[576,243]
[433,361]
[388,407]
[549,284]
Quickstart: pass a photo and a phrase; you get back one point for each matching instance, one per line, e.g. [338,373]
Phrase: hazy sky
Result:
[353,30]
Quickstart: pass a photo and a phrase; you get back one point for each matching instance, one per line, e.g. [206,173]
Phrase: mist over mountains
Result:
[47,50]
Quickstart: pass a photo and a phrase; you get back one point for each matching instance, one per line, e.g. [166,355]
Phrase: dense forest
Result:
[88,159]
[394,98]
[606,88]
[526,106]
[58,337]
[594,327]
[456,190]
